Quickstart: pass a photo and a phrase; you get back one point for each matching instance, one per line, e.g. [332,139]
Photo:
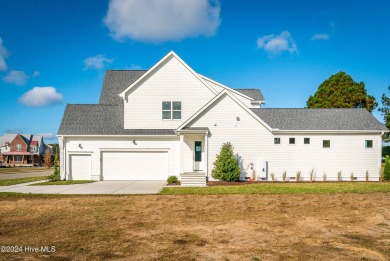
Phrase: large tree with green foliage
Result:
[385,110]
[386,171]
[226,166]
[341,91]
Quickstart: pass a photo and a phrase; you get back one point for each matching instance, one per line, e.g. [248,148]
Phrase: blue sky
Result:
[55,52]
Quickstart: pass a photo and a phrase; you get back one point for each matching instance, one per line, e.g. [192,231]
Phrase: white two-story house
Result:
[170,120]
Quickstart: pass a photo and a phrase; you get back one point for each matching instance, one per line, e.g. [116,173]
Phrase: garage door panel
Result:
[80,167]
[135,165]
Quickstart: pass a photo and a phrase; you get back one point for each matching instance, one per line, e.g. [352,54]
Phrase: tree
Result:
[226,166]
[386,171]
[385,110]
[341,91]
[56,175]
[47,158]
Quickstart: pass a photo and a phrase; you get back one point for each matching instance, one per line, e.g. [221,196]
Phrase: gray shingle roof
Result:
[320,119]
[99,119]
[115,82]
[253,93]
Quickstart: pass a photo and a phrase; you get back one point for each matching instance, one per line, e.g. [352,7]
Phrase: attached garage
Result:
[80,167]
[135,165]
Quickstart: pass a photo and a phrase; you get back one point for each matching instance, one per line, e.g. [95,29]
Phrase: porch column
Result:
[206,152]
[181,153]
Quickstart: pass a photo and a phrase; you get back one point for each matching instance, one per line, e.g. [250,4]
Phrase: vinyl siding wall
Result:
[94,146]
[171,82]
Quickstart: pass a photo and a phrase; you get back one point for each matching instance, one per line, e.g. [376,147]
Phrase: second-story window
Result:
[171,110]
[18,147]
[33,148]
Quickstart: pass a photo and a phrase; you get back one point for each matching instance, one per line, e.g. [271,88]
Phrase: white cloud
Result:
[97,62]
[276,44]
[48,136]
[162,20]
[16,77]
[41,96]
[36,74]
[320,37]
[3,55]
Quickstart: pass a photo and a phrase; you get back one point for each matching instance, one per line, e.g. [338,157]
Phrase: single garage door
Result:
[137,165]
[80,166]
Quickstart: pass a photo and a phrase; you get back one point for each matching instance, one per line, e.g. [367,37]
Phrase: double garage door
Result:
[137,165]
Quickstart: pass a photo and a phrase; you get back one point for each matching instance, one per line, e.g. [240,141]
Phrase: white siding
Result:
[252,141]
[172,81]
[96,145]
[249,138]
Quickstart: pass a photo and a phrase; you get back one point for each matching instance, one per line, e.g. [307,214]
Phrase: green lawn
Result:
[9,182]
[23,170]
[285,188]
[63,182]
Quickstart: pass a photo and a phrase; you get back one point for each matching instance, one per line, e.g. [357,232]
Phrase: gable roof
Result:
[252,93]
[155,67]
[320,119]
[7,138]
[115,81]
[100,119]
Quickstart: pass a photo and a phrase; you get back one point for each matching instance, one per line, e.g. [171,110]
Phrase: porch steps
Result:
[193,179]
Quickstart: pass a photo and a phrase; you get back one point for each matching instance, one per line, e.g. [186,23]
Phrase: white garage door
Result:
[80,167]
[137,165]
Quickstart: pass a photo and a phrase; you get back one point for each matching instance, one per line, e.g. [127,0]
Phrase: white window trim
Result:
[171,111]
[306,143]
[18,147]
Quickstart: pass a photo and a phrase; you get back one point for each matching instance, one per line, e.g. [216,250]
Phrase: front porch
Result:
[21,160]
[193,156]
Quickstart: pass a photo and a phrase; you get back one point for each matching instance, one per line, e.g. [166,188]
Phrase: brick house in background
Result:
[22,150]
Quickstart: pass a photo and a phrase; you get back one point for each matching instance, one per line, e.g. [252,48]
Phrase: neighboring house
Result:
[22,150]
[170,120]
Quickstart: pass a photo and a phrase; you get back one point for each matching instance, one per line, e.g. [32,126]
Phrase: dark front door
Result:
[198,155]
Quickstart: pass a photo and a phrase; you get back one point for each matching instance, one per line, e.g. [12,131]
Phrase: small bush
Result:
[298,175]
[312,175]
[339,177]
[226,166]
[284,176]
[172,180]
[386,172]
[273,176]
[367,176]
[56,175]
[352,177]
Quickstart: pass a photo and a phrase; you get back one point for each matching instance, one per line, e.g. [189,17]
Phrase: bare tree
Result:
[47,158]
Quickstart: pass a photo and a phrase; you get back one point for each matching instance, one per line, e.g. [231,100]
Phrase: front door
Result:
[197,155]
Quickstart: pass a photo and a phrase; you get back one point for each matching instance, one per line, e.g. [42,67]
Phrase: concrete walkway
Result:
[98,187]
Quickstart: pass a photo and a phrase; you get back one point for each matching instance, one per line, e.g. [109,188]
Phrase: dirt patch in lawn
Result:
[199,227]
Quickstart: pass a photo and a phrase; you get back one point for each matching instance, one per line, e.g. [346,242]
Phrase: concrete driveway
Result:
[98,187]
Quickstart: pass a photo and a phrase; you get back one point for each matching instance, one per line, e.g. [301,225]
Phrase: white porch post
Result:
[206,145]
[181,154]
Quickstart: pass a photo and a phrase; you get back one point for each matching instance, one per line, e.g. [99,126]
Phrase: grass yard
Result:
[9,182]
[23,170]
[288,187]
[319,226]
[63,182]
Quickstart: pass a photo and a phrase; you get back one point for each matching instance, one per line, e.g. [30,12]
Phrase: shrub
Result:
[273,176]
[284,175]
[298,176]
[56,175]
[172,180]
[386,172]
[367,176]
[226,166]
[339,177]
[352,178]
[312,175]
[47,158]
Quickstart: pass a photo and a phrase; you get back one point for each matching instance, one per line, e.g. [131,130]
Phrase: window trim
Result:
[366,144]
[33,148]
[304,139]
[171,110]
[277,138]
[18,147]
[323,144]
[17,157]
[291,139]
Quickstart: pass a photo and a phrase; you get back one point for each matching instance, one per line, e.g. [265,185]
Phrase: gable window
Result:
[276,140]
[326,143]
[18,147]
[368,143]
[18,158]
[33,148]
[306,140]
[171,110]
[291,140]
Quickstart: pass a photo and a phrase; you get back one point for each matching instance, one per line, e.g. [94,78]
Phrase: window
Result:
[368,143]
[306,140]
[326,143]
[291,140]
[18,158]
[18,147]
[33,148]
[276,140]
[171,110]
